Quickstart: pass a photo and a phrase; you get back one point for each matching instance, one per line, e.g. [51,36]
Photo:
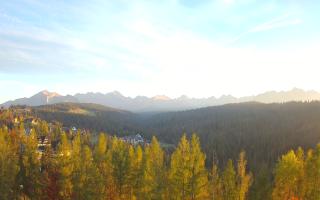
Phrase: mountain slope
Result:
[89,116]
[283,96]
[264,131]
[42,98]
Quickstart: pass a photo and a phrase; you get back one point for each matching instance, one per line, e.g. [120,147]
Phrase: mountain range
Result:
[161,103]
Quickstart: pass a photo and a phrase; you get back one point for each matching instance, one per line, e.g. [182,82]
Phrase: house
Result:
[66,129]
[43,142]
[135,139]
[50,126]
[31,120]
[34,122]
[71,130]
[27,130]
[16,120]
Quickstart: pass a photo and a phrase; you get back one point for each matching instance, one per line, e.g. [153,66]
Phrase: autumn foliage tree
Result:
[188,175]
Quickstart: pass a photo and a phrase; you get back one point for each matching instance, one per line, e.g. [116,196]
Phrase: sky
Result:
[198,48]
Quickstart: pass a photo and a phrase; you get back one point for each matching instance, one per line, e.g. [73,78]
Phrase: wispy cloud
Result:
[278,22]
[9,18]
[282,21]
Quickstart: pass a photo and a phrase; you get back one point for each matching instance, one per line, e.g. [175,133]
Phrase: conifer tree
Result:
[50,175]
[244,180]
[132,172]
[103,164]
[262,185]
[100,149]
[43,128]
[65,168]
[229,185]
[155,171]
[302,173]
[187,173]
[179,170]
[137,172]
[31,167]
[8,166]
[312,174]
[90,187]
[120,168]
[76,162]
[287,177]
[215,186]
[198,173]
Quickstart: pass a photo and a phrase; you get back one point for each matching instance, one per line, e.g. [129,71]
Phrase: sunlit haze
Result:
[198,48]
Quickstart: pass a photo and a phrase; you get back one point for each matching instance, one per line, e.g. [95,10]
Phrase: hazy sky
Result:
[195,47]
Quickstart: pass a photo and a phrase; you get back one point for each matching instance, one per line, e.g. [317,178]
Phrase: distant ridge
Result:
[42,98]
[161,103]
[70,107]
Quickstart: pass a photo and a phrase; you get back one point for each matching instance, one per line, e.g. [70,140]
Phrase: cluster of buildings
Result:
[22,115]
[43,143]
[134,139]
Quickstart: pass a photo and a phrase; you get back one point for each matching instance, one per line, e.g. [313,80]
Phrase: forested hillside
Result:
[264,131]
[89,116]
[38,160]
